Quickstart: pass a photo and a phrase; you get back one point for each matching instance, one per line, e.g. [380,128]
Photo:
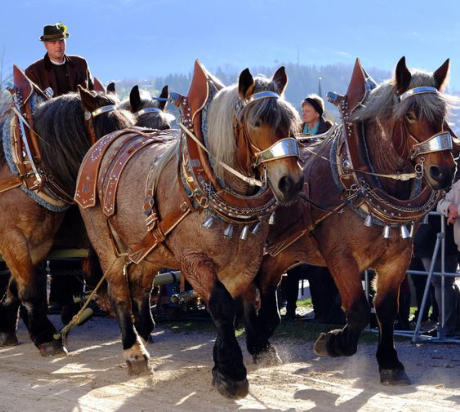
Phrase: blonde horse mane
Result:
[223,109]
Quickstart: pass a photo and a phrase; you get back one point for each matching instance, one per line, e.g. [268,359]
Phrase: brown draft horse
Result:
[240,122]
[328,230]
[28,228]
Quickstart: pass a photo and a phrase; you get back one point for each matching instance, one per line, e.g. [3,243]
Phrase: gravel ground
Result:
[93,376]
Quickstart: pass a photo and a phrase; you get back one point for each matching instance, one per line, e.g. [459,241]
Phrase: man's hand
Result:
[452,213]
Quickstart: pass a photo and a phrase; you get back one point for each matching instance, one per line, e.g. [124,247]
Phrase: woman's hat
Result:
[316,101]
[53,32]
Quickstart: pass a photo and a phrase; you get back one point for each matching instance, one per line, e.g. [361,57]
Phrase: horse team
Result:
[233,201]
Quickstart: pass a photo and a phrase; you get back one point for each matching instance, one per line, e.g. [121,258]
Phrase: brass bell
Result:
[228,232]
[244,233]
[368,220]
[387,232]
[208,222]
[271,220]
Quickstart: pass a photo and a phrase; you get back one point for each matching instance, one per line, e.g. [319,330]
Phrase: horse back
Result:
[105,162]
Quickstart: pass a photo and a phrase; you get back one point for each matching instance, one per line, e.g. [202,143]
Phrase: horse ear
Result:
[164,95]
[111,88]
[402,76]
[442,75]
[88,99]
[246,84]
[135,99]
[280,79]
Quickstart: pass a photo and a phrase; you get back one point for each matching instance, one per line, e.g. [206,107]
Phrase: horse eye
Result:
[257,123]
[410,116]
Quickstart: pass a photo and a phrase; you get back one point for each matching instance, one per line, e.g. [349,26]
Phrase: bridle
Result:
[286,147]
[89,120]
[436,143]
[152,109]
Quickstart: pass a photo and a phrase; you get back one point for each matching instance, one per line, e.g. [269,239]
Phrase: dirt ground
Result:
[93,377]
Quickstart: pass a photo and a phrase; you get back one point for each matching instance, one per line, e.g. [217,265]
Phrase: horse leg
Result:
[134,352]
[344,342]
[389,278]
[141,288]
[31,291]
[261,320]
[229,372]
[9,315]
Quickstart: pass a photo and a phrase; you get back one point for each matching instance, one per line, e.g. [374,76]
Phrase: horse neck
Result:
[385,159]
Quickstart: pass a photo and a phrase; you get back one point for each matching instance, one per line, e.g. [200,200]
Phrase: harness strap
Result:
[250,180]
[156,236]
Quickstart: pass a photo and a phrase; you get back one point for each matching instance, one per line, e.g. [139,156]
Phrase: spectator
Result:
[312,115]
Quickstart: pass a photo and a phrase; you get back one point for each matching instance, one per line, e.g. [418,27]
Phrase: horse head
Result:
[411,112]
[259,124]
[149,111]
[102,114]
[422,112]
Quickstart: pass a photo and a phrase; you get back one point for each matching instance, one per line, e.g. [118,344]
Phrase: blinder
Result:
[288,147]
[436,143]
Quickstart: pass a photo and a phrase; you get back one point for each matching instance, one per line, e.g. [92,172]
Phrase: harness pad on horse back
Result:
[117,149]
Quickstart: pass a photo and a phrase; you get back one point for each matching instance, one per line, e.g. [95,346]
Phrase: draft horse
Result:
[149,111]
[366,183]
[33,210]
[198,210]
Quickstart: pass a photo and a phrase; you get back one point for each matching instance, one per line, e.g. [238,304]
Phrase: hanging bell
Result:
[404,233]
[412,230]
[228,232]
[208,222]
[368,220]
[244,233]
[387,232]
[256,228]
[271,220]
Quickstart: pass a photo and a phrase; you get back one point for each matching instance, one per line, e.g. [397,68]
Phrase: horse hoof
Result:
[228,387]
[394,377]
[267,357]
[138,366]
[320,346]
[53,348]
[8,339]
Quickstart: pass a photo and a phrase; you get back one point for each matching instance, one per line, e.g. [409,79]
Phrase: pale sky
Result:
[135,39]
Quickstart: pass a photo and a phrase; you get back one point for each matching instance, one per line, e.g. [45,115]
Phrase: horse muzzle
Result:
[440,177]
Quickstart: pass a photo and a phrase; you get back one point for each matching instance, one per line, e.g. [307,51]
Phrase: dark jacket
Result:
[324,125]
[77,72]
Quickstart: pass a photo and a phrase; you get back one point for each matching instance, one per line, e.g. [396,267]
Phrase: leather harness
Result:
[196,180]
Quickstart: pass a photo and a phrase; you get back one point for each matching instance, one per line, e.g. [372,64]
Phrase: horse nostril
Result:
[436,173]
[285,184]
